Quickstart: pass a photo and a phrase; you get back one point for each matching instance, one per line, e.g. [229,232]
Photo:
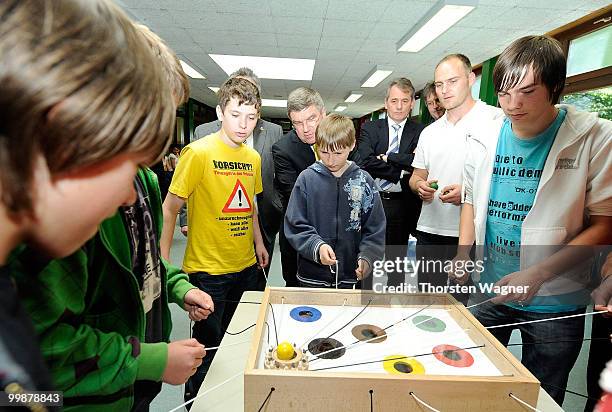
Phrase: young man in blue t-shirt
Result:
[544,181]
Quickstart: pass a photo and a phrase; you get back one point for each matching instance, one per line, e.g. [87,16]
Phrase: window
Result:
[598,101]
[416,109]
[590,52]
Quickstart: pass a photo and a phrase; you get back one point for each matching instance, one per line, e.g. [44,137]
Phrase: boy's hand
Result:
[602,296]
[457,271]
[262,255]
[363,269]
[198,303]
[184,357]
[184,230]
[425,192]
[451,194]
[327,255]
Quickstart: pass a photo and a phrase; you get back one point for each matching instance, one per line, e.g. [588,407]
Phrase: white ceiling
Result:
[346,37]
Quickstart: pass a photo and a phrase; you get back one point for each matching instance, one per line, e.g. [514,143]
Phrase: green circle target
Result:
[429,323]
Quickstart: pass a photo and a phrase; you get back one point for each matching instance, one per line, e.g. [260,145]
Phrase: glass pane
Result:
[179,131]
[590,52]
[598,100]
[476,88]
[416,109]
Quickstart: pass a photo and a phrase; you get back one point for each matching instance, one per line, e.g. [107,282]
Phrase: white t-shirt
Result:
[441,151]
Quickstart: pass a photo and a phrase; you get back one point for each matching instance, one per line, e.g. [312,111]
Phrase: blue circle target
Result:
[305,314]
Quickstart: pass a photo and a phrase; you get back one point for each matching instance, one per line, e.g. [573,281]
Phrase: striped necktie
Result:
[393,148]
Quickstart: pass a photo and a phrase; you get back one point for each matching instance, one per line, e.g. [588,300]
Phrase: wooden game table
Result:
[231,360]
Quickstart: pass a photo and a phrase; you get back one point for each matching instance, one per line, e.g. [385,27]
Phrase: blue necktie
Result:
[393,148]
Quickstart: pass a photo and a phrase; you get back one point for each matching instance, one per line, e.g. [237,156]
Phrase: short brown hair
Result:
[403,84]
[544,54]
[240,88]
[461,57]
[335,132]
[170,64]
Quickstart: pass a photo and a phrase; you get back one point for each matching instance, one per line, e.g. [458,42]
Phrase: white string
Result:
[340,313]
[227,344]
[280,317]
[524,403]
[480,303]
[423,403]
[547,319]
[205,392]
[265,274]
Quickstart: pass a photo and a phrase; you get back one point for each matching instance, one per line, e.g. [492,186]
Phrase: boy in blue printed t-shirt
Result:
[545,181]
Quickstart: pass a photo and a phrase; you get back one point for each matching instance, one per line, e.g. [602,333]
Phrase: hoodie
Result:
[345,212]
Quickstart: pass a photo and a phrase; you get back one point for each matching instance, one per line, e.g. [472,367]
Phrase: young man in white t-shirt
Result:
[438,165]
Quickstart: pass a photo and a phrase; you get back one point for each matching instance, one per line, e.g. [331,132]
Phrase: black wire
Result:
[568,391]
[266,400]
[243,330]
[371,401]
[267,334]
[397,358]
[349,322]
[274,322]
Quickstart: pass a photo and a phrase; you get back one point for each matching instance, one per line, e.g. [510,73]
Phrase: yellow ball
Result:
[285,351]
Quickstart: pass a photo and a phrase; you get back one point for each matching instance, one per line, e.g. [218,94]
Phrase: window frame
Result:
[594,79]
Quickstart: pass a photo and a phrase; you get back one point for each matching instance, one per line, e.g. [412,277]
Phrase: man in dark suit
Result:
[264,136]
[386,150]
[292,154]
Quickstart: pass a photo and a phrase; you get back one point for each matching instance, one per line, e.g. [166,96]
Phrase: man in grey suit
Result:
[263,138]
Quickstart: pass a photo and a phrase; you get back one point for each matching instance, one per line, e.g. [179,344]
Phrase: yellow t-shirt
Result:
[220,184]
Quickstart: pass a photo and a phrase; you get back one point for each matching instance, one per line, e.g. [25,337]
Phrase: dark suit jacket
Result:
[291,157]
[265,135]
[374,140]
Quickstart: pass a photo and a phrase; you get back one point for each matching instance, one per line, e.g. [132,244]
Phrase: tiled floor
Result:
[172,396]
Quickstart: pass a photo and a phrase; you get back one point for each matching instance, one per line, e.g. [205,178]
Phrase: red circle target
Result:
[453,356]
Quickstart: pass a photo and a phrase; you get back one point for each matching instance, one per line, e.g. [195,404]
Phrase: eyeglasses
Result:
[311,122]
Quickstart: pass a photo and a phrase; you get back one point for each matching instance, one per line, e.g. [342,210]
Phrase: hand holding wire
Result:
[327,256]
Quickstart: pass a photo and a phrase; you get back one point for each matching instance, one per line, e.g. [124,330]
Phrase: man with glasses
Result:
[438,164]
[432,101]
[292,154]
[385,151]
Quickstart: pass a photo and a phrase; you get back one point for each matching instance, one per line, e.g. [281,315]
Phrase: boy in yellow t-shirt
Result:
[219,177]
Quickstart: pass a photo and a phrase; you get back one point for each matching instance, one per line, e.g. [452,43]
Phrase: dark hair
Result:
[242,89]
[461,57]
[430,88]
[247,73]
[543,54]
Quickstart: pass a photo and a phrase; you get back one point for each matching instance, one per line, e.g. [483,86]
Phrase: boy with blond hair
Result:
[126,328]
[219,177]
[70,145]
[337,244]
